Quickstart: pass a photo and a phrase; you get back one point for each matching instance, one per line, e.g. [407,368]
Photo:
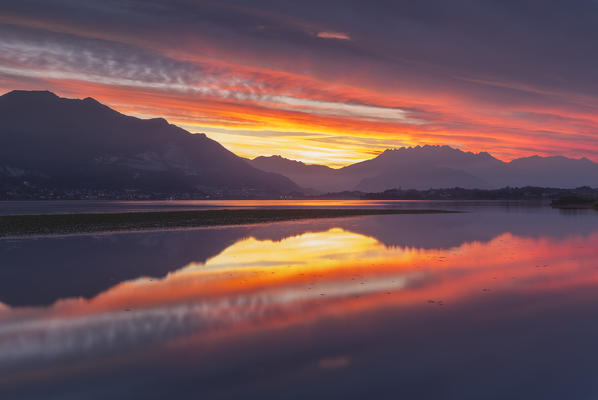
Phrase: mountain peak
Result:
[39,94]
[91,100]
[425,147]
[278,159]
[45,98]
[82,143]
[433,151]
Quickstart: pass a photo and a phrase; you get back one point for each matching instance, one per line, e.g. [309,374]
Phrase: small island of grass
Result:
[51,224]
[574,202]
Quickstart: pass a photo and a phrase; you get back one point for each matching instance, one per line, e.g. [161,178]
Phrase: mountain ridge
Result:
[439,166]
[47,141]
[84,144]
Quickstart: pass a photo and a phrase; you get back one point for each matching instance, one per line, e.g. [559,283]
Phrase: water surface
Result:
[497,303]
[111,206]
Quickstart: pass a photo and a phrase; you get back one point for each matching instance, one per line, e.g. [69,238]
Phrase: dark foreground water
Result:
[498,303]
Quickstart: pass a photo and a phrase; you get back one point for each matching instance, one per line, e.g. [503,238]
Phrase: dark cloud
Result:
[549,44]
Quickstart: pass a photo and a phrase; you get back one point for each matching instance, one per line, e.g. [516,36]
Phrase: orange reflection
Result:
[257,285]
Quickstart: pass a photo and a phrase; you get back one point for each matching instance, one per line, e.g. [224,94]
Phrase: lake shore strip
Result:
[60,224]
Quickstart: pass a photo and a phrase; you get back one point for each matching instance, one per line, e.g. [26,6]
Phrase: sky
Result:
[329,82]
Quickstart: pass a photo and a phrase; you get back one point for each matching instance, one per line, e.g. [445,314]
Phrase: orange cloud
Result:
[333,35]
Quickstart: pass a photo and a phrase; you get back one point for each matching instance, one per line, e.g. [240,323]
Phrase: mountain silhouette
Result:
[426,167]
[305,175]
[54,142]
[72,143]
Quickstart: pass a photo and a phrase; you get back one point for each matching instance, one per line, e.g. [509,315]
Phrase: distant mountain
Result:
[425,167]
[421,168]
[551,171]
[82,144]
[421,177]
[305,175]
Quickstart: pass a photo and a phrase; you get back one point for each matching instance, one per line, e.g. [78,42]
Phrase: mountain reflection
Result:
[256,285]
[42,271]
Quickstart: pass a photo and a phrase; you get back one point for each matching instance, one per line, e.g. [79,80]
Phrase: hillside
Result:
[46,140]
[426,167]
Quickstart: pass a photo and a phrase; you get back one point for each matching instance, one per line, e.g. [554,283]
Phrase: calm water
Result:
[107,206]
[498,303]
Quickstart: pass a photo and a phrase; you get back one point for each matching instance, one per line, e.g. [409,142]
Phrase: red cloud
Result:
[333,35]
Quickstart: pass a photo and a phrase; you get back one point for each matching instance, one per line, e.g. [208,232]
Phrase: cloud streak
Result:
[333,35]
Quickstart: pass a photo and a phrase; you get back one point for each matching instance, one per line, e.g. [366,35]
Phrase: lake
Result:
[110,206]
[497,302]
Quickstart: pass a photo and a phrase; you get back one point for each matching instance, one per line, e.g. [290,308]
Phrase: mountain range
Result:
[425,167]
[47,140]
[51,142]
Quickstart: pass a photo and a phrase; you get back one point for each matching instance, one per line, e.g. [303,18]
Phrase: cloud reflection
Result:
[260,285]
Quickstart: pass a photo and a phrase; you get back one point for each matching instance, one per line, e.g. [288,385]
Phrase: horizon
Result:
[324,83]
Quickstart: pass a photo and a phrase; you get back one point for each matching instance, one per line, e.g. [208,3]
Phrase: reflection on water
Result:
[111,206]
[490,304]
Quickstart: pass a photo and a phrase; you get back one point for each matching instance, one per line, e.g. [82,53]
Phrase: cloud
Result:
[334,362]
[333,35]
[500,77]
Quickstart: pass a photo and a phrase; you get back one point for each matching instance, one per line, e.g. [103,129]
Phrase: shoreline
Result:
[587,206]
[61,224]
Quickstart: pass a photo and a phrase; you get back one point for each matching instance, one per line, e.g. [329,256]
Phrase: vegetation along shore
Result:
[48,224]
